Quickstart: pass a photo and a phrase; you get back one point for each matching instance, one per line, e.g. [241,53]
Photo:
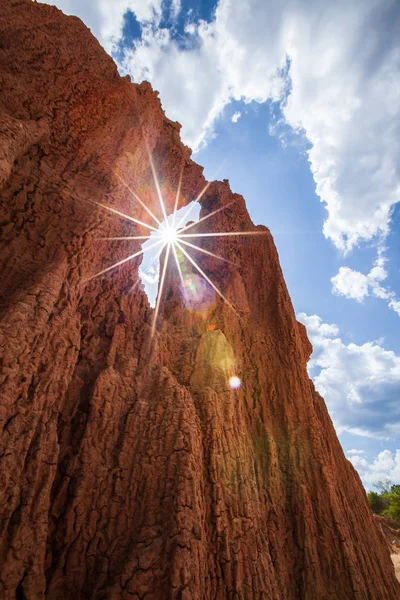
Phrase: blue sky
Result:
[300,103]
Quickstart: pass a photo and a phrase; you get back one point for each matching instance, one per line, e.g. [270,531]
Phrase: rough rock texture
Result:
[128,467]
[391,531]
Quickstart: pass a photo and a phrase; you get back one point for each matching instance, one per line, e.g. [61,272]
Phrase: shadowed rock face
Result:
[128,467]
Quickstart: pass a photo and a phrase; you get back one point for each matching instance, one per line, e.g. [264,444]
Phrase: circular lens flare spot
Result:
[235,382]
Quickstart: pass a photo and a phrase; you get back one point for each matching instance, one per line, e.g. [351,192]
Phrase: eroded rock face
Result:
[391,532]
[128,466]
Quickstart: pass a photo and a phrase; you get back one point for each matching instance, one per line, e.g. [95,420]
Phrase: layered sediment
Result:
[129,468]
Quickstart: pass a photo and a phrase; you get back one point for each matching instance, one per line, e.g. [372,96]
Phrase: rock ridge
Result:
[129,468]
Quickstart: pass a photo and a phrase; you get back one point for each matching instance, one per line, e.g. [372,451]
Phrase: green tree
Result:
[393,510]
[376,502]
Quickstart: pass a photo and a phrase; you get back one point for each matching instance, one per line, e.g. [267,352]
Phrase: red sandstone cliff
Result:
[128,468]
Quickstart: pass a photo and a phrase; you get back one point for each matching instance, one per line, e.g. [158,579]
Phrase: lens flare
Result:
[175,240]
[169,235]
[235,382]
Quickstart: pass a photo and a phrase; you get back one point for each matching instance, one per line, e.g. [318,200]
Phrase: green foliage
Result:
[386,501]
[393,510]
[377,503]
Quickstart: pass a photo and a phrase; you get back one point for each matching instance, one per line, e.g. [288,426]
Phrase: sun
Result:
[171,236]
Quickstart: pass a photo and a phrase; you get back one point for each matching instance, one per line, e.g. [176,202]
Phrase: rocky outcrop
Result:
[128,466]
[391,531]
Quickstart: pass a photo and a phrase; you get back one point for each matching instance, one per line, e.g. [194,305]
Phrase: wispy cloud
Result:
[175,8]
[236,116]
[354,452]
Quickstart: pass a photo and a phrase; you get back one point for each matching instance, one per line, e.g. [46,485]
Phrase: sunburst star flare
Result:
[172,237]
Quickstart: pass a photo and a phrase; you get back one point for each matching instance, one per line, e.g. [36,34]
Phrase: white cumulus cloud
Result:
[334,66]
[353,284]
[106,18]
[360,383]
[384,468]
[343,96]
